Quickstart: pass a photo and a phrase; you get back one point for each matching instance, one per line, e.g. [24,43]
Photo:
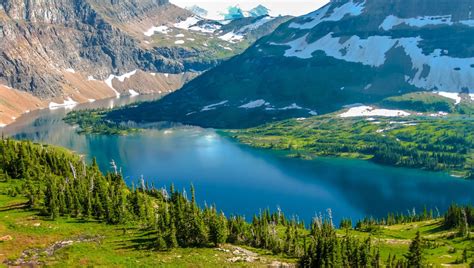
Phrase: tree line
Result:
[58,183]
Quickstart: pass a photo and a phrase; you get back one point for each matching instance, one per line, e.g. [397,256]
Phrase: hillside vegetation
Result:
[57,210]
[418,141]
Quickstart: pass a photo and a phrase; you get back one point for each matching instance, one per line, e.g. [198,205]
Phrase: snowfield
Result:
[256,24]
[450,95]
[370,51]
[444,72]
[121,78]
[392,21]
[213,106]
[368,111]
[186,24]
[126,76]
[293,106]
[231,37]
[68,103]
[161,29]
[348,9]
[133,93]
[254,104]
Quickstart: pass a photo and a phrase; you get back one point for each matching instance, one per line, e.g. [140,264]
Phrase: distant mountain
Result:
[63,52]
[199,11]
[234,12]
[349,51]
[259,11]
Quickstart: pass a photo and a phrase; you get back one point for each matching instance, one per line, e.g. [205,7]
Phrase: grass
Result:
[93,122]
[444,247]
[130,246]
[418,141]
[117,246]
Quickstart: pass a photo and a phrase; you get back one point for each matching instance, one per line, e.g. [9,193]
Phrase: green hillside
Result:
[57,211]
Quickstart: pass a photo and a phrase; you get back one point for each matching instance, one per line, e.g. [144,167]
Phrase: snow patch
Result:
[133,93]
[348,9]
[179,42]
[439,114]
[469,23]
[91,100]
[186,24]
[293,106]
[370,51]
[226,48]
[445,72]
[121,78]
[70,70]
[179,35]
[205,28]
[391,21]
[253,104]
[450,95]
[161,29]
[213,106]
[231,37]
[68,103]
[257,24]
[2,125]
[368,111]
[90,78]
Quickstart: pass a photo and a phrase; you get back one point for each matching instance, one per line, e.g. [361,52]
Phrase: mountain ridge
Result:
[347,52]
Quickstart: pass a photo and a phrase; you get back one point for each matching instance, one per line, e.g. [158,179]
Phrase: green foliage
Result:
[326,249]
[461,218]
[60,185]
[93,122]
[415,252]
[420,102]
[418,142]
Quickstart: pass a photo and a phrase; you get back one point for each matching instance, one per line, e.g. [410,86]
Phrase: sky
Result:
[277,7]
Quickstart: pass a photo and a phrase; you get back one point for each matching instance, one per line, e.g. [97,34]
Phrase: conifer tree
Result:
[415,252]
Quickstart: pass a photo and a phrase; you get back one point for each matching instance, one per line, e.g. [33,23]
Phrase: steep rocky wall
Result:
[41,39]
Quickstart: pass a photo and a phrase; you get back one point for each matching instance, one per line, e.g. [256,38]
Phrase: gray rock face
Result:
[40,39]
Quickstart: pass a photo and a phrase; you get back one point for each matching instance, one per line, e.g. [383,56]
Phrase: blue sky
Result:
[277,7]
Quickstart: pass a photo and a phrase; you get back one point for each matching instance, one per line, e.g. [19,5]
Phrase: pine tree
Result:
[415,252]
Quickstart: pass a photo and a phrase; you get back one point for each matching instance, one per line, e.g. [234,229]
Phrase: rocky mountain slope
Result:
[66,52]
[349,51]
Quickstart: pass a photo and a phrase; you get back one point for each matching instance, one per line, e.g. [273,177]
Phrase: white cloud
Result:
[277,7]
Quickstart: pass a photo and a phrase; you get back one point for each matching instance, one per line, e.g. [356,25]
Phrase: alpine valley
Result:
[136,133]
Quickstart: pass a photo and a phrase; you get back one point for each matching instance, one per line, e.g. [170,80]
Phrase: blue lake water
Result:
[242,180]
